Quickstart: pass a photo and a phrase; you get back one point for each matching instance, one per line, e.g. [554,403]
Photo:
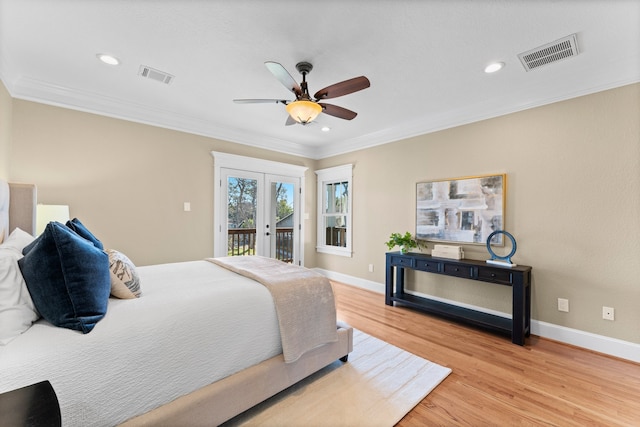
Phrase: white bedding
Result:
[151,350]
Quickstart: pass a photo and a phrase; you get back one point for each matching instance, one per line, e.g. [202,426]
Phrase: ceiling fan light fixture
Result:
[304,111]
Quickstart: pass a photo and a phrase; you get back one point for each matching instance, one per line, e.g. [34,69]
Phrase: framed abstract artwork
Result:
[461,210]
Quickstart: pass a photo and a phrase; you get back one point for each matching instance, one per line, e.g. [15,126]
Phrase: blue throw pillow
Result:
[68,278]
[83,231]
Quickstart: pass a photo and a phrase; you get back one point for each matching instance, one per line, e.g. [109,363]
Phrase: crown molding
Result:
[50,94]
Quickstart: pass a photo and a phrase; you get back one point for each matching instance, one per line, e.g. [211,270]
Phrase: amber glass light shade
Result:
[303,111]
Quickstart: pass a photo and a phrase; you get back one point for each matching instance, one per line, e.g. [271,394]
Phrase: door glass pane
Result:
[242,206]
[283,220]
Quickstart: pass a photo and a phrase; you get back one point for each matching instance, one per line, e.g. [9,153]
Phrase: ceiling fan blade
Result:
[343,88]
[260,101]
[290,121]
[335,111]
[285,78]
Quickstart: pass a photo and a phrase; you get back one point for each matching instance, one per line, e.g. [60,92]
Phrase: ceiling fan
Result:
[304,109]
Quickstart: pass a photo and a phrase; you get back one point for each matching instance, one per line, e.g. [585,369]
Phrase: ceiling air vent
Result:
[551,52]
[157,75]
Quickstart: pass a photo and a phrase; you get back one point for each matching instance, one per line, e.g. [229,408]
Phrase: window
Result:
[335,193]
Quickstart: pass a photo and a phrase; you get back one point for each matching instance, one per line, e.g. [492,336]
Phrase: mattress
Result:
[194,324]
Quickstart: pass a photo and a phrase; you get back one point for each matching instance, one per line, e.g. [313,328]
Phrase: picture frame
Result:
[461,210]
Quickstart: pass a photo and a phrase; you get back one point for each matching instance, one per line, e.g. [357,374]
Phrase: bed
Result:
[200,345]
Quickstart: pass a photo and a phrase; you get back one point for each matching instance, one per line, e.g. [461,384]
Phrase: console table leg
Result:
[519,312]
[388,284]
[400,281]
[527,309]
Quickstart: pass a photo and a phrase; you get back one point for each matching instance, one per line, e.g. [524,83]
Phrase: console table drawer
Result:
[457,270]
[427,265]
[402,261]
[495,275]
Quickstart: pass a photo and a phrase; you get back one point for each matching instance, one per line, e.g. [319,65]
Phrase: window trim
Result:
[326,176]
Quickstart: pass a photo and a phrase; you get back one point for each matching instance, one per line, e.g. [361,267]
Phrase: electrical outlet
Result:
[607,313]
[563,305]
[370,268]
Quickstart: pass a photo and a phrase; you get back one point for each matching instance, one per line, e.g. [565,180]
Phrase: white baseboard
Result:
[599,343]
[351,280]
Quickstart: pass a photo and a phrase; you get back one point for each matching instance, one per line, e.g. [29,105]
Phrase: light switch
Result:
[187,206]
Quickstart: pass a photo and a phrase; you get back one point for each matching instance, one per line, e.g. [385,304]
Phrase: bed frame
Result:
[224,399]
[216,402]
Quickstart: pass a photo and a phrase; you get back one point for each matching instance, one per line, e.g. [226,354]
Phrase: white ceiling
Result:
[425,61]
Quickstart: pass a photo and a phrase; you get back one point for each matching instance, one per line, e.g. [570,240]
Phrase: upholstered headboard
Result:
[4,210]
[17,208]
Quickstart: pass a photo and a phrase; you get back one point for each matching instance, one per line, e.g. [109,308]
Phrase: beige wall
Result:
[573,198]
[573,205]
[126,181]
[6,113]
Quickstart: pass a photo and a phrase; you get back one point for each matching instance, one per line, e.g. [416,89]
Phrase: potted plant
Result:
[405,241]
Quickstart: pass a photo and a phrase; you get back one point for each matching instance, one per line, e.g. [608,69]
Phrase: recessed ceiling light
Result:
[108,59]
[493,67]
[325,129]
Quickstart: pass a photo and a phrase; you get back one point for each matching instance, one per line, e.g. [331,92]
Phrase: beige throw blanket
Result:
[303,299]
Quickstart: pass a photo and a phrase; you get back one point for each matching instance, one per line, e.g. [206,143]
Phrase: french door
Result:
[258,213]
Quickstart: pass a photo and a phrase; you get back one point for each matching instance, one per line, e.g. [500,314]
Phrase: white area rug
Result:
[377,387]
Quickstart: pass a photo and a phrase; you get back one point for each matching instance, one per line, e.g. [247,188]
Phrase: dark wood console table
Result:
[518,277]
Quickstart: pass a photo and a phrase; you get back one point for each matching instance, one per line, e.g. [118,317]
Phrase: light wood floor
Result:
[495,382]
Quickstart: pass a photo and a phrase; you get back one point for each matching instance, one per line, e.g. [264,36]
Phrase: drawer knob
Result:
[493,274]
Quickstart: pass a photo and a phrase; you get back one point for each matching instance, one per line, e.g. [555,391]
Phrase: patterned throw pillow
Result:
[125,282]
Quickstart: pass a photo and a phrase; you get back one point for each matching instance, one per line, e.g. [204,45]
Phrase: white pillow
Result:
[16,241]
[17,311]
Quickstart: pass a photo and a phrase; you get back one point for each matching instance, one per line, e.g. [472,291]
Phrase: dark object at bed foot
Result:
[344,358]
[35,405]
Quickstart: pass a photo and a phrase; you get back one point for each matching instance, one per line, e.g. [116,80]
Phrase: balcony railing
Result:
[242,241]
